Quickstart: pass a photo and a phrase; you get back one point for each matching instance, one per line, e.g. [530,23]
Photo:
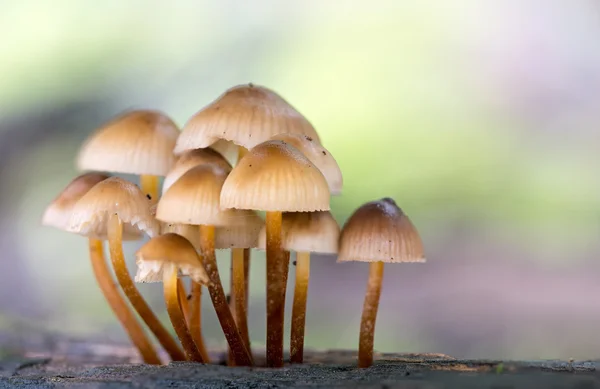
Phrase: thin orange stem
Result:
[115,240]
[183,300]
[239,293]
[299,307]
[195,324]
[276,286]
[369,315]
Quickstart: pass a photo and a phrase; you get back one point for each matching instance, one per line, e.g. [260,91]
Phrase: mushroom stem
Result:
[239,293]
[118,305]
[176,315]
[183,301]
[149,186]
[276,285]
[195,323]
[115,241]
[299,307]
[207,243]
[369,315]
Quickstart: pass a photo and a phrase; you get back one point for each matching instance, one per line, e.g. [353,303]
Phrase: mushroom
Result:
[378,232]
[275,177]
[194,199]
[162,258]
[192,158]
[241,235]
[192,309]
[304,233]
[319,156]
[58,215]
[105,209]
[245,115]
[139,142]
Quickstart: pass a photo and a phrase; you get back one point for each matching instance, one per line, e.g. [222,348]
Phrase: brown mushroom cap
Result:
[169,250]
[380,231]
[194,198]
[242,234]
[114,195]
[138,142]
[319,156]
[313,232]
[246,115]
[274,176]
[193,158]
[188,231]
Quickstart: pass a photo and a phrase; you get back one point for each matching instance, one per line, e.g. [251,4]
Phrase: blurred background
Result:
[479,117]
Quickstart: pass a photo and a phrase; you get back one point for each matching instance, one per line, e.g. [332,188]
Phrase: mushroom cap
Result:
[188,231]
[58,213]
[169,250]
[313,232]
[242,234]
[246,115]
[319,156]
[229,150]
[114,195]
[194,198]
[192,158]
[380,231]
[275,176]
[137,142]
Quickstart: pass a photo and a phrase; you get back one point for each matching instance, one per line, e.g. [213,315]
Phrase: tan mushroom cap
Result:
[194,198]
[380,231]
[169,250]
[229,150]
[138,142]
[319,156]
[246,115]
[193,158]
[188,231]
[242,234]
[114,195]
[312,232]
[58,213]
[274,176]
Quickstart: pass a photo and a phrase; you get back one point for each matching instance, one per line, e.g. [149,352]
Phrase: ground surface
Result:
[83,365]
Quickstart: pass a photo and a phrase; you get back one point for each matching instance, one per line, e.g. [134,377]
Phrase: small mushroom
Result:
[275,177]
[162,258]
[378,232]
[105,209]
[58,215]
[304,233]
[194,199]
[190,159]
[138,142]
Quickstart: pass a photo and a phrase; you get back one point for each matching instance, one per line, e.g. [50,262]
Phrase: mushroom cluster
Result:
[248,151]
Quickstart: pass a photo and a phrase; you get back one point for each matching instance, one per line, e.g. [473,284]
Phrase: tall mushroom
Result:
[275,177]
[105,209]
[194,199]
[304,233]
[162,258]
[378,232]
[139,142]
[58,215]
[241,235]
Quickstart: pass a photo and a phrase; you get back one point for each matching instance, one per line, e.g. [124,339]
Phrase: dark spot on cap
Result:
[294,263]
[148,196]
[189,297]
[388,200]
[249,165]
[217,108]
[324,153]
[308,138]
[250,85]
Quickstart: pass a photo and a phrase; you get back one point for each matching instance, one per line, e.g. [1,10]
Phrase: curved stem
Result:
[276,285]
[234,339]
[231,303]
[239,293]
[115,240]
[176,316]
[149,186]
[118,304]
[195,323]
[369,315]
[299,307]
[183,300]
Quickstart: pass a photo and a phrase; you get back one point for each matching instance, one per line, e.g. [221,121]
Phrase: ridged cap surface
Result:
[246,115]
[169,250]
[137,142]
[242,233]
[114,195]
[380,231]
[193,158]
[274,176]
